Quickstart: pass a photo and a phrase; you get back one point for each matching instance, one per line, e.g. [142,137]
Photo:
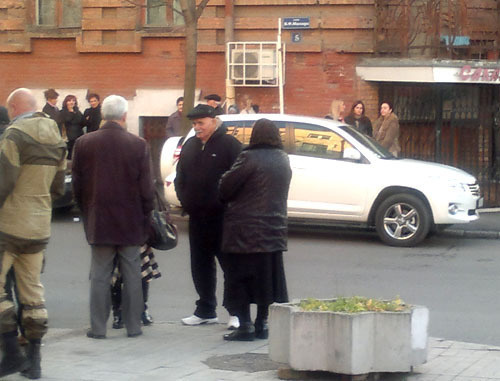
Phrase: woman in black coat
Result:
[358,119]
[255,192]
[72,119]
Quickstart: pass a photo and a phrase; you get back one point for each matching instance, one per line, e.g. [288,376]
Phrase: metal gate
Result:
[451,124]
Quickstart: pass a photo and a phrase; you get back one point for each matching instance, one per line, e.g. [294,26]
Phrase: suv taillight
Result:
[177,152]
[178,149]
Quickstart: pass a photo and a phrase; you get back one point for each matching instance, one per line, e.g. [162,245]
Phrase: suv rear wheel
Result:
[402,220]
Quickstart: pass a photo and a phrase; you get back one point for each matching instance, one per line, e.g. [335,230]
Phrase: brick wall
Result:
[312,79]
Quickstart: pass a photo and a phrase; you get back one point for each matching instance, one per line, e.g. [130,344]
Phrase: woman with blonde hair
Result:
[337,108]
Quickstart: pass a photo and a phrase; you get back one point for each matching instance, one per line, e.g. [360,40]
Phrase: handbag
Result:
[163,232]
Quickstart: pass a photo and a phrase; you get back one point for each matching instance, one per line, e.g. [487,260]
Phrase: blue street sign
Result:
[296,23]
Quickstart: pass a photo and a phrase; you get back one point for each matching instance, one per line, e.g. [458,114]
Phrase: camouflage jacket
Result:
[32,166]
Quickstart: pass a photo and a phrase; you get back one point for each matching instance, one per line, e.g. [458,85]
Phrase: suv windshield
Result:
[368,142]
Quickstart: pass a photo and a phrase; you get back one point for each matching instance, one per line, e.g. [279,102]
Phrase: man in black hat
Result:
[204,158]
[214,101]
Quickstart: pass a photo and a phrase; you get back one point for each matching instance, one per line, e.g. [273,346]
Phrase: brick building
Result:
[339,49]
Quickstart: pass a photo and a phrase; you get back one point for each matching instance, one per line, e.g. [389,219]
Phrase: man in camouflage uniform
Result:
[32,164]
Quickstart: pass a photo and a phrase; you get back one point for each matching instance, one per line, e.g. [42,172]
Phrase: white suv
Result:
[341,176]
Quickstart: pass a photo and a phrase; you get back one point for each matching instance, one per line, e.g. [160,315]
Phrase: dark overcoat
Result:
[255,191]
[72,122]
[113,186]
[92,118]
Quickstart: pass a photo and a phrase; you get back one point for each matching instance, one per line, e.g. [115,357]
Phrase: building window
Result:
[156,12]
[163,13]
[59,13]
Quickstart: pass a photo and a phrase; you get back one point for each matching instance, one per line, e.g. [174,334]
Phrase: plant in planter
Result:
[348,335]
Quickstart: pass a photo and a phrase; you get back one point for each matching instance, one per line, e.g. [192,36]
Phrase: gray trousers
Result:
[100,292]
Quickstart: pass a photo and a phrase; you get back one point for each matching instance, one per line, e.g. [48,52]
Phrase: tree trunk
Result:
[190,72]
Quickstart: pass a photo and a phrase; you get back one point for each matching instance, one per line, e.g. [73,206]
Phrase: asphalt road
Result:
[458,279]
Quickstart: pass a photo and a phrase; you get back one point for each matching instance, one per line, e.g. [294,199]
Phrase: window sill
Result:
[53,31]
[163,31]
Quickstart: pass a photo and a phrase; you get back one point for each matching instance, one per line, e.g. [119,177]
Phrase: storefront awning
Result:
[429,71]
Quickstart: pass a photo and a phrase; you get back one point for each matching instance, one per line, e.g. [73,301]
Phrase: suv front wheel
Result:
[402,220]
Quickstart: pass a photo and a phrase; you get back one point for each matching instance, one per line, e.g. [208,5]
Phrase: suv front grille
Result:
[474,189]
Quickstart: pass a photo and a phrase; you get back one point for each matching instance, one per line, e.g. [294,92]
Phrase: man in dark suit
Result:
[114,190]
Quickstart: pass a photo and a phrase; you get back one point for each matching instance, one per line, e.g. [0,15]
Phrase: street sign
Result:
[296,23]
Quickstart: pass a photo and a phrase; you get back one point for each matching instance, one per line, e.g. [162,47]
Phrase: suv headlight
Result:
[457,186]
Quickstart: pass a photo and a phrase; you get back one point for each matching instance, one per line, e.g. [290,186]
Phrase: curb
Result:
[486,234]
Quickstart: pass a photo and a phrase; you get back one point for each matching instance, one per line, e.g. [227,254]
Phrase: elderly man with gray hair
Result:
[113,187]
[32,164]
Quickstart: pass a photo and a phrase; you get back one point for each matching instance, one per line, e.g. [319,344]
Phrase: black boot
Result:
[246,332]
[34,371]
[14,361]
[261,329]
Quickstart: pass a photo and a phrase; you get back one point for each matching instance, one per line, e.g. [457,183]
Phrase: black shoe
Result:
[13,361]
[134,334]
[146,318]
[92,335]
[261,329]
[34,371]
[117,322]
[246,332]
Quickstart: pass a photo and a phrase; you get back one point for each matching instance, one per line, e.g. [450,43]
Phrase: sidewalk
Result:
[488,226]
[171,351]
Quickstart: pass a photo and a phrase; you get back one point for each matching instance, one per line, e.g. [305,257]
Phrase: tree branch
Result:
[200,8]
[140,4]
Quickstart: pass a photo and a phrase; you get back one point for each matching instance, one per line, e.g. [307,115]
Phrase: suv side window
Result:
[317,141]
[242,130]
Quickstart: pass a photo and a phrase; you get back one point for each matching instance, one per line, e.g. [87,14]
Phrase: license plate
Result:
[480,202]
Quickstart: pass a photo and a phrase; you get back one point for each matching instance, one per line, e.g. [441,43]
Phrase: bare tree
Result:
[404,26]
[191,13]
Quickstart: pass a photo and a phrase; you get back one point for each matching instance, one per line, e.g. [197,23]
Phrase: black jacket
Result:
[92,118]
[200,169]
[54,114]
[72,123]
[363,124]
[255,191]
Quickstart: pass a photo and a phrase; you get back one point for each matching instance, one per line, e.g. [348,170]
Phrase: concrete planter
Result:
[348,343]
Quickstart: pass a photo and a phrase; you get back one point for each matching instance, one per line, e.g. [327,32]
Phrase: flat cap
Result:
[201,111]
[213,97]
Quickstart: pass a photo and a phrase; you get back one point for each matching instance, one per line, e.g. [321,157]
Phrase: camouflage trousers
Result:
[27,269]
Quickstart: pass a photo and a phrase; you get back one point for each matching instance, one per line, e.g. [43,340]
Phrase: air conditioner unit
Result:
[253,64]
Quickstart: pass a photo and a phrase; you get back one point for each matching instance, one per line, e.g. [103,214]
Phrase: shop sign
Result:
[479,74]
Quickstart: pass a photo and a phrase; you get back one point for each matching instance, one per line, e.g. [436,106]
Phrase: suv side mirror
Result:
[351,154]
